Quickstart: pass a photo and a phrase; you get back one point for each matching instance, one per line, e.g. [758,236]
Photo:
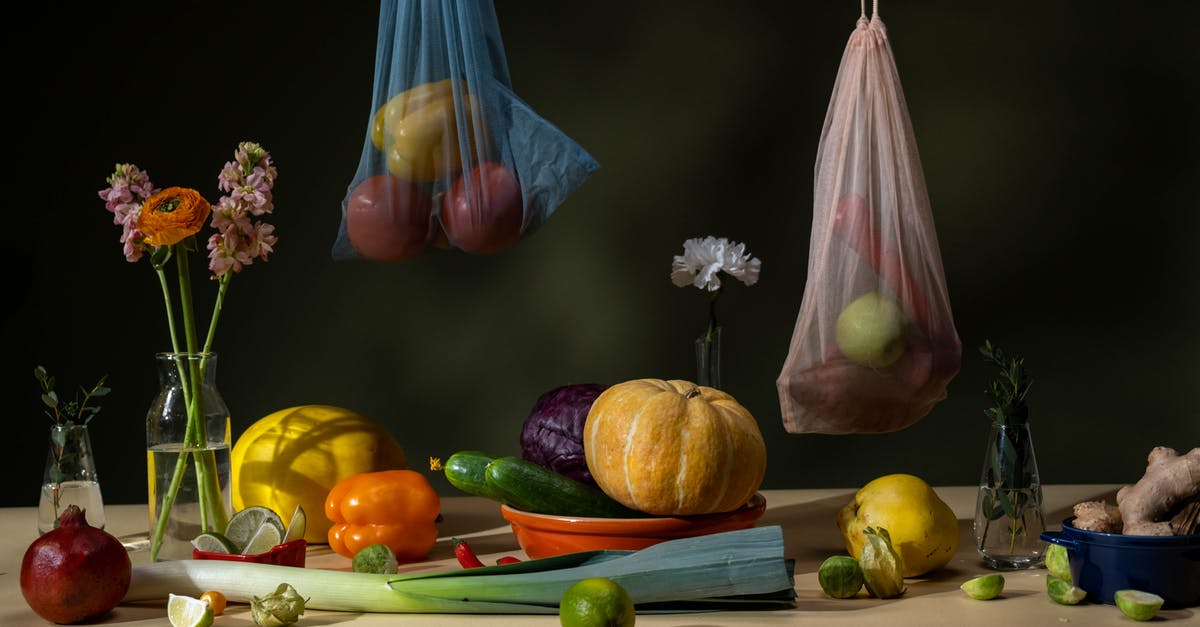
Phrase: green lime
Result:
[984,587]
[185,611]
[1061,591]
[214,542]
[1138,605]
[377,558]
[296,528]
[840,576]
[267,536]
[596,602]
[1058,563]
[246,522]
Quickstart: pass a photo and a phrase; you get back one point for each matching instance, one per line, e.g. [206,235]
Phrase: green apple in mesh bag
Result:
[870,331]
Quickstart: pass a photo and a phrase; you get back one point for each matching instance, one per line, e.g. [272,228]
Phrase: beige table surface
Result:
[810,535]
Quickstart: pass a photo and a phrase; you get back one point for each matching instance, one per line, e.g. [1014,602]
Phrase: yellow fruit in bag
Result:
[295,456]
[923,529]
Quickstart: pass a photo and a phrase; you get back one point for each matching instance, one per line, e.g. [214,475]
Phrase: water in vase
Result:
[1009,543]
[83,494]
[184,523]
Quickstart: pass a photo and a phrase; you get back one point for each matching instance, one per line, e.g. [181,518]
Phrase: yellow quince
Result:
[923,529]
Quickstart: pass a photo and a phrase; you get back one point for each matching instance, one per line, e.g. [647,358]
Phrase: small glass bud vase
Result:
[70,478]
[1009,518]
[708,358]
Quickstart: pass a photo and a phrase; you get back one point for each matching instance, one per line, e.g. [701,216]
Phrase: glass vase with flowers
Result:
[700,265]
[187,428]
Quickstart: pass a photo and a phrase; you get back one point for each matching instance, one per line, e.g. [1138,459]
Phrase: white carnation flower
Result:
[703,259]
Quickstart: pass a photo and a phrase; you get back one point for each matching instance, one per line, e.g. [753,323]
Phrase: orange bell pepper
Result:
[398,508]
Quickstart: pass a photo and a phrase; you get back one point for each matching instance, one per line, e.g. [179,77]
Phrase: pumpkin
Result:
[673,448]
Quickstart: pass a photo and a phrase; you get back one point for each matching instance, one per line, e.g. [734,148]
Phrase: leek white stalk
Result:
[689,573]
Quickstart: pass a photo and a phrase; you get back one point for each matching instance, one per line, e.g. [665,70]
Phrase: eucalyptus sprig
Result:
[1010,392]
[77,411]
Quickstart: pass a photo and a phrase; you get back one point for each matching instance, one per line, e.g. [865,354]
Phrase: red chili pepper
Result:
[507,559]
[466,556]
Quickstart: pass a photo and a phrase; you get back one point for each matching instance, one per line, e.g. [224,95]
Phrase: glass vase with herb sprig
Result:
[1008,515]
[70,474]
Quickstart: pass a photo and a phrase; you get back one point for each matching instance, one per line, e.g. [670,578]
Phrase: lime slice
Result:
[984,587]
[1138,605]
[1061,591]
[213,542]
[185,611]
[245,523]
[1058,563]
[267,536]
[296,528]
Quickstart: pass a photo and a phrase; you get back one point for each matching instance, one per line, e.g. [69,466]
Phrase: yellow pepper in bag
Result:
[418,131]
[398,508]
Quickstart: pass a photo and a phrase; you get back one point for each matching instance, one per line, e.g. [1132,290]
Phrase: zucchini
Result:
[464,470]
[527,486]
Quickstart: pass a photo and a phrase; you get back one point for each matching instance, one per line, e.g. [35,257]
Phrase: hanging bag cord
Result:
[874,8]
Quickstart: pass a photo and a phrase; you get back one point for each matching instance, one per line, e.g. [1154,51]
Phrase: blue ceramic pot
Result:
[1102,563]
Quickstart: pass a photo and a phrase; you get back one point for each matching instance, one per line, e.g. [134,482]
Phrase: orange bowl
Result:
[543,535]
[287,554]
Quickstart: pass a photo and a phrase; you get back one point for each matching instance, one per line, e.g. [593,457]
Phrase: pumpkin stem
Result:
[692,393]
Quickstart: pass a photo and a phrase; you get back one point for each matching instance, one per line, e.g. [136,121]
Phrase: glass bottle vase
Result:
[187,455]
[1009,517]
[70,478]
[708,358]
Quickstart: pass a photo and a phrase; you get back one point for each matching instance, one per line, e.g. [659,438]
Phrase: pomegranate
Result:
[75,571]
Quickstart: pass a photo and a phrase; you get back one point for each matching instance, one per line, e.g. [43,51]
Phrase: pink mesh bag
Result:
[874,345]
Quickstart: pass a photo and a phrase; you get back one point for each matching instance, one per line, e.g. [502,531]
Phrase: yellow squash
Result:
[295,456]
[418,130]
[673,447]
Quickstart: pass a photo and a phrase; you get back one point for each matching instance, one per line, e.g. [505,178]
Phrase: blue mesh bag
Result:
[452,158]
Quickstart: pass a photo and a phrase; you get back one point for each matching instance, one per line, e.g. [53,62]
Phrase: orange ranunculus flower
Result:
[172,215]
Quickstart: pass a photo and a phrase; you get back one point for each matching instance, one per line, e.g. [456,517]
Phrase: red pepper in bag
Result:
[398,508]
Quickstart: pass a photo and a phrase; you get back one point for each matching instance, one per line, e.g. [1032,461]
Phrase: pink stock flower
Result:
[248,180]
[128,188]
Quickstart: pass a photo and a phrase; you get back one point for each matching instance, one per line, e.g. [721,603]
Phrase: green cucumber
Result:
[464,470]
[530,487]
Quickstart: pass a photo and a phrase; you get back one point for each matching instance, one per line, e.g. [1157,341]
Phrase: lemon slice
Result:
[185,611]
[213,542]
[296,528]
[984,587]
[267,536]
[1138,605]
[247,522]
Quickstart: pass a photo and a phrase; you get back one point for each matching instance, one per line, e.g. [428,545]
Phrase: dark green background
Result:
[1059,147]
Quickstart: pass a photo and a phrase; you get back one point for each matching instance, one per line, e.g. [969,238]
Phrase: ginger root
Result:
[1171,482]
[1097,516]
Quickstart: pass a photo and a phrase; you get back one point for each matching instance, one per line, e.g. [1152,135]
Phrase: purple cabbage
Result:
[552,435]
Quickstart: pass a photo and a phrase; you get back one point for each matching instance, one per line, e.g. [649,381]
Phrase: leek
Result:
[689,574]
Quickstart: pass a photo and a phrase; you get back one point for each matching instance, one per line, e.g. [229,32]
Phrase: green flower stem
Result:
[162,280]
[222,288]
[712,316]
